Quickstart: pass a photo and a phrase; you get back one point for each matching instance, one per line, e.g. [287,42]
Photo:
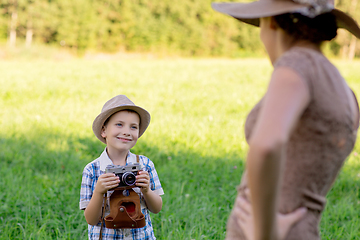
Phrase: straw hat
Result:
[116,104]
[251,12]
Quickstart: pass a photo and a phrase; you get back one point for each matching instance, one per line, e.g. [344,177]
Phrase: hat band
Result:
[315,8]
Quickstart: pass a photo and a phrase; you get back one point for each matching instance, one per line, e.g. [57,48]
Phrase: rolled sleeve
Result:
[155,184]
[87,185]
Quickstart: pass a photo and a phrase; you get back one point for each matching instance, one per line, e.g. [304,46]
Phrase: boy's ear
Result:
[103,133]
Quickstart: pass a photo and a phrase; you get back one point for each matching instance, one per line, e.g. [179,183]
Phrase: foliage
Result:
[185,28]
[195,139]
[188,28]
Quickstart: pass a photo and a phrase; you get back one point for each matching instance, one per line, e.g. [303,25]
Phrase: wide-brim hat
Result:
[116,104]
[251,12]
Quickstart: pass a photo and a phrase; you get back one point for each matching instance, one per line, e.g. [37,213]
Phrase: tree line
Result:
[186,27]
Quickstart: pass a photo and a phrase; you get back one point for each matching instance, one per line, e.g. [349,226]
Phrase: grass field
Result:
[195,139]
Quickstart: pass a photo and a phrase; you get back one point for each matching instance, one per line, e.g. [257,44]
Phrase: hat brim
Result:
[251,13]
[102,117]
[345,21]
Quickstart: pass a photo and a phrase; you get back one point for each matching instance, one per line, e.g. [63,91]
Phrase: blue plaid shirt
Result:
[90,175]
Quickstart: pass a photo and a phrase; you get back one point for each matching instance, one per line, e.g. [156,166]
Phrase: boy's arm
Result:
[153,201]
[105,182]
[92,212]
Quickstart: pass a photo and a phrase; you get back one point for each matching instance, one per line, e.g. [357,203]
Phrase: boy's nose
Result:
[126,132]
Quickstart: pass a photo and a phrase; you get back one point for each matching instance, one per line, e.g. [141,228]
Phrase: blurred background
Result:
[198,73]
[159,28]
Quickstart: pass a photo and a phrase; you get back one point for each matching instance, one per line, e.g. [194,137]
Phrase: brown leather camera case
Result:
[125,211]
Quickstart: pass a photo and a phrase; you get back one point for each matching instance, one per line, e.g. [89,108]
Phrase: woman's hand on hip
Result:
[244,217]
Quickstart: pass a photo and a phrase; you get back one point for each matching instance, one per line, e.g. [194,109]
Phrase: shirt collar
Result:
[105,160]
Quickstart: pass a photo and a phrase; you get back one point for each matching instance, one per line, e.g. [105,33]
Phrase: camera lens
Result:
[129,178]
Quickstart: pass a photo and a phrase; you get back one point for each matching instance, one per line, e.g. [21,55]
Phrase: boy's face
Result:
[122,130]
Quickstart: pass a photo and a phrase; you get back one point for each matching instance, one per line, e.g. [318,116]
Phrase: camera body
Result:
[127,174]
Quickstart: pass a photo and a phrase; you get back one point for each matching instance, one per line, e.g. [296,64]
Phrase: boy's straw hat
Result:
[116,104]
[251,12]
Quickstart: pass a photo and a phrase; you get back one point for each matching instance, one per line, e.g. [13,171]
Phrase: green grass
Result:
[195,139]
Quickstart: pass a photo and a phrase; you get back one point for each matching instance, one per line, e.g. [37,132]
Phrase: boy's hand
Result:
[143,181]
[106,182]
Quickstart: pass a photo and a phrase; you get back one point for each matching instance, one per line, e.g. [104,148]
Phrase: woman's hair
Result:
[318,29]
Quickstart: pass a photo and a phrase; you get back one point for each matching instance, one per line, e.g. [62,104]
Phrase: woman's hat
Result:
[251,12]
[114,105]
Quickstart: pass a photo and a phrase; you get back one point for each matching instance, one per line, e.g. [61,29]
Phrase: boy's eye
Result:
[134,127]
[119,124]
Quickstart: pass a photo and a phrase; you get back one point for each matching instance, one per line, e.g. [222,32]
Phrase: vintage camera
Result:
[127,174]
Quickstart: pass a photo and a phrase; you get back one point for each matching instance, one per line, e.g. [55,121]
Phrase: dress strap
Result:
[356,124]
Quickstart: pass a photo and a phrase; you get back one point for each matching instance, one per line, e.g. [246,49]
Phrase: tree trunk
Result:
[352,47]
[13,23]
[29,33]
[344,51]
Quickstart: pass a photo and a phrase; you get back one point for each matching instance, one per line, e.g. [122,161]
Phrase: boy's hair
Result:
[127,110]
[318,29]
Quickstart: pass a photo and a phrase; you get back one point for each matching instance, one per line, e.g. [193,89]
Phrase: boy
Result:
[119,125]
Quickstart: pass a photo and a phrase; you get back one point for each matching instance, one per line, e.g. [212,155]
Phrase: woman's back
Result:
[322,139]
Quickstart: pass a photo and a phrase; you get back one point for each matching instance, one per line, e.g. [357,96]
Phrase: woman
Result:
[302,130]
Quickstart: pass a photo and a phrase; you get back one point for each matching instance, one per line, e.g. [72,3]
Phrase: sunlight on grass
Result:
[201,110]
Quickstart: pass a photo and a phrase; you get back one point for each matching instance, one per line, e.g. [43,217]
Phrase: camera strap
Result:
[104,207]
[102,215]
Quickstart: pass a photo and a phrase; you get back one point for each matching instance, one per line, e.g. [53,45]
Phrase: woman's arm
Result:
[284,102]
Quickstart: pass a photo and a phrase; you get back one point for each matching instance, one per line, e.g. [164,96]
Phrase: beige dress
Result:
[323,138]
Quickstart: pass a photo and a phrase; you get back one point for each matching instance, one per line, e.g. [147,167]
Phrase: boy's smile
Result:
[121,131]
[124,139]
